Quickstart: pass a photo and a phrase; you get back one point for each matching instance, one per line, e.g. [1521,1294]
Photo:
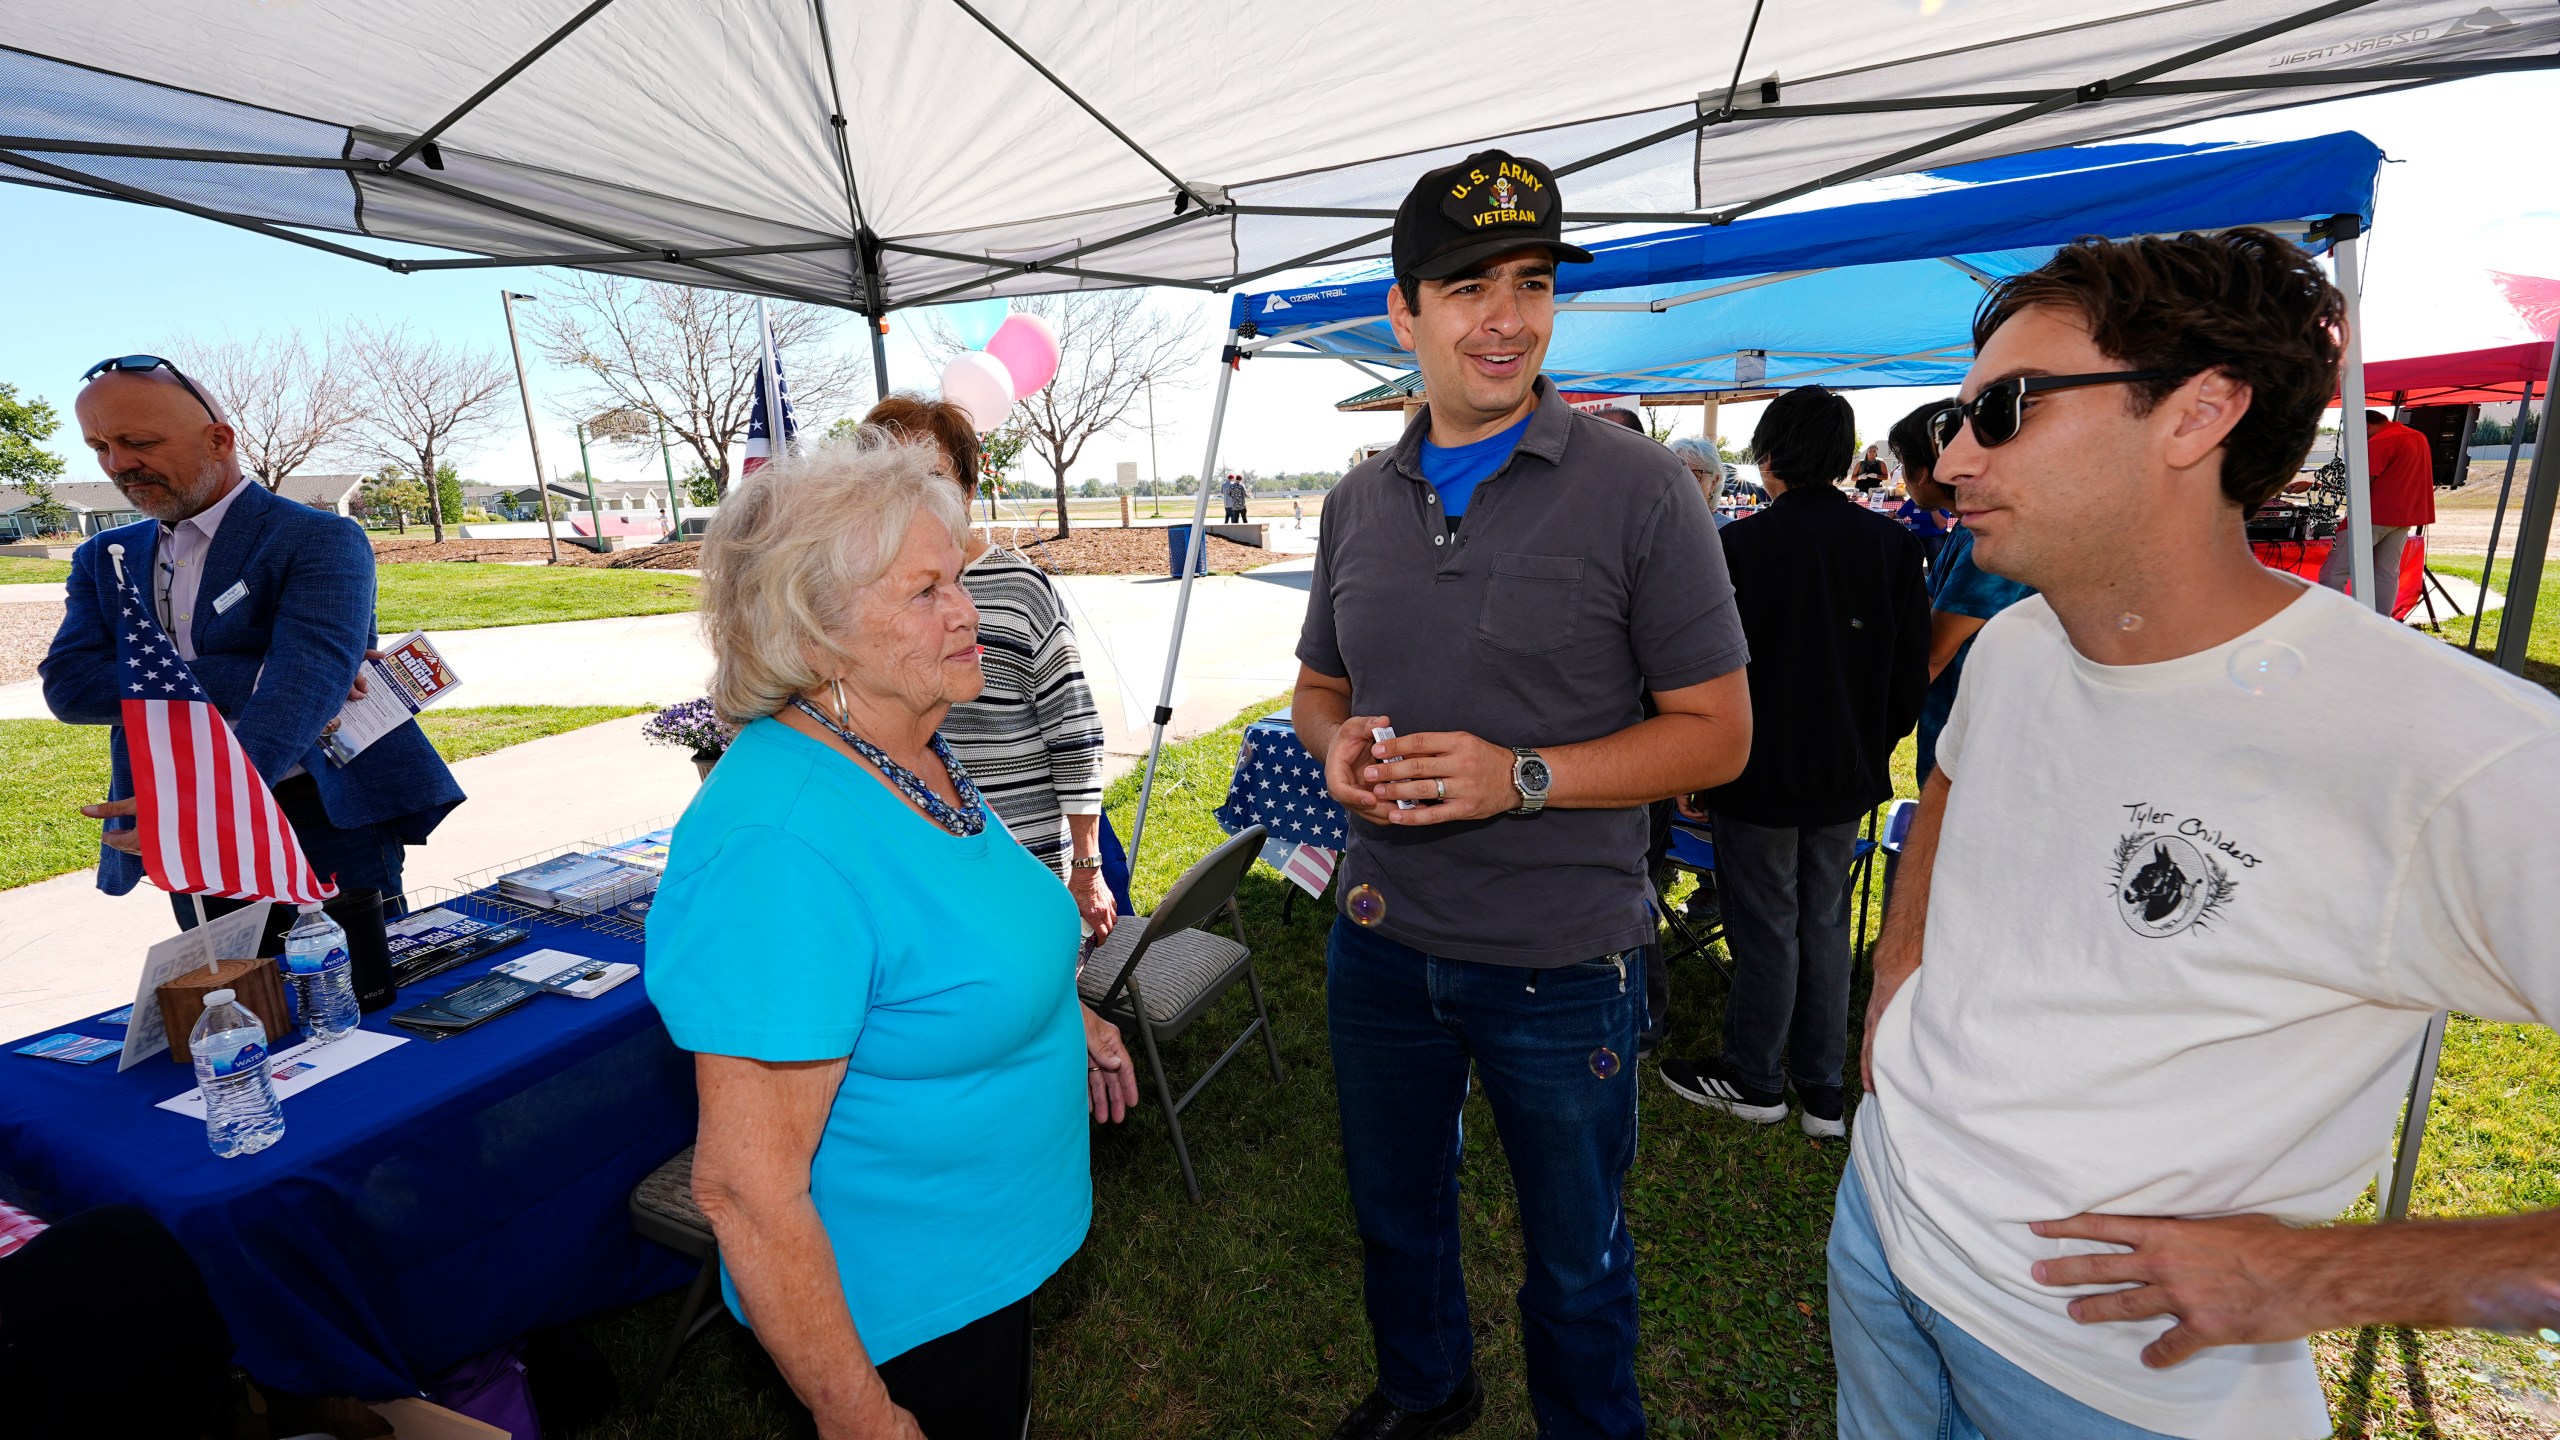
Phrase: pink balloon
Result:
[1028,348]
[977,383]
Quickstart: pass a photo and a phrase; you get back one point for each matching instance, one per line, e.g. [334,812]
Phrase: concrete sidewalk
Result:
[68,951]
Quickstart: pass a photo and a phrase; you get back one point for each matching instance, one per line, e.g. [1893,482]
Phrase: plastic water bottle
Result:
[241,1113]
[316,970]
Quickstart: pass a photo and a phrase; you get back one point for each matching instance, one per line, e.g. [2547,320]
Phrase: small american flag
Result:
[208,823]
[1311,868]
[760,446]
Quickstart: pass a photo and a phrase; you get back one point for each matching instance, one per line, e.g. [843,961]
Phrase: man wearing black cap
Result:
[1536,600]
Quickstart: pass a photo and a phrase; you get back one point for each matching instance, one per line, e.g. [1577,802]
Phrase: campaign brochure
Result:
[408,678]
[72,1049]
[577,884]
[645,852]
[299,1067]
[430,942]
[562,973]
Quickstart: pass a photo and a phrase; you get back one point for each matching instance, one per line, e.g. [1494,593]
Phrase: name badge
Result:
[238,592]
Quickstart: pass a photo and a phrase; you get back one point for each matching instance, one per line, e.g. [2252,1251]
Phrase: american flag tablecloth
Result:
[1280,787]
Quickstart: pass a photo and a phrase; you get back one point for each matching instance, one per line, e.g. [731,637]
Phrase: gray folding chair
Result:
[663,1209]
[1161,973]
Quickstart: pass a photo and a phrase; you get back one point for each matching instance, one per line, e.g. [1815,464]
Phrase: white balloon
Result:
[979,384]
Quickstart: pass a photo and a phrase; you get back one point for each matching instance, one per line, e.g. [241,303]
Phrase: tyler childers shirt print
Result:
[2174,873]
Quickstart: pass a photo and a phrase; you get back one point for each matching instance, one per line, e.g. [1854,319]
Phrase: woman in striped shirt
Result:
[1032,741]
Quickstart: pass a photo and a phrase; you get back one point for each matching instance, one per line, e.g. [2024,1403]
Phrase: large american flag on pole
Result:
[772,391]
[207,822]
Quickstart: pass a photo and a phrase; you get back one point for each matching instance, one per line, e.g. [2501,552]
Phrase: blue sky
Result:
[90,278]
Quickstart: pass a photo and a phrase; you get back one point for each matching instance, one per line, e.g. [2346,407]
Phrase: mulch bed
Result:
[418,545]
[26,633]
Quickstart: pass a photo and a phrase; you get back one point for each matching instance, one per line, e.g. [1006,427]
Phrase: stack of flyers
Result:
[431,942]
[577,884]
[647,852]
[562,973]
[75,1049]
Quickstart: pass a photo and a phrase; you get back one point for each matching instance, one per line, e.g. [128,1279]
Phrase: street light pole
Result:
[666,457]
[532,432]
[1155,472]
[595,519]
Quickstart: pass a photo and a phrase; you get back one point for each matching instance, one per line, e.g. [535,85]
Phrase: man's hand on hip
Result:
[1468,778]
[2241,1280]
[128,840]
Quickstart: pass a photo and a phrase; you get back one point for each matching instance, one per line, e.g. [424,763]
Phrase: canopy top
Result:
[2469,377]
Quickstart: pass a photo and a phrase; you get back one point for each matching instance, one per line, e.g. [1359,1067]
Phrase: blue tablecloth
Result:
[425,1206]
[1280,786]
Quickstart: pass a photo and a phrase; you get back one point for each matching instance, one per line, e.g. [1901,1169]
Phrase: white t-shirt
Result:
[2182,942]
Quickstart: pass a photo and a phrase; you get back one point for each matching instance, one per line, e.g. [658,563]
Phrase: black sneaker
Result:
[1709,1083]
[1377,1417]
[1822,1116]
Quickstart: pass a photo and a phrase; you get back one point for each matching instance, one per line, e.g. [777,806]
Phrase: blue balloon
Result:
[973,322]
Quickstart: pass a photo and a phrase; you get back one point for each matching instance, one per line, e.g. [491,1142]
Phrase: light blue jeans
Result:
[1907,1372]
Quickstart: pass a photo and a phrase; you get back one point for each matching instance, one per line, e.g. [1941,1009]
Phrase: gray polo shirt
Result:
[1586,574]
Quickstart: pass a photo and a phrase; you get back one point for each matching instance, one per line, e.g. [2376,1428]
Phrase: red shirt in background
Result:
[2404,475]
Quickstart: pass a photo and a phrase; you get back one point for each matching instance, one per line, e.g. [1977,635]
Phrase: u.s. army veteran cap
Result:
[1487,204]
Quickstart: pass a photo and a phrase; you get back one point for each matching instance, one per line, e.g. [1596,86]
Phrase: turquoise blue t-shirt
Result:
[1959,587]
[808,914]
[1456,470]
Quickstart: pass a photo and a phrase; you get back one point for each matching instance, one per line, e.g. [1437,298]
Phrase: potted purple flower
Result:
[694,726]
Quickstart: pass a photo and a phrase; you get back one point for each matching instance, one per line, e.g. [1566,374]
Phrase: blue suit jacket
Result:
[277,662]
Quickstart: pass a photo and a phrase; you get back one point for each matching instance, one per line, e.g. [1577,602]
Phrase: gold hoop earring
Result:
[844,712]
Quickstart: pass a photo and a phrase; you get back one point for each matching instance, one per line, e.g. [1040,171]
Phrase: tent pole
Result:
[879,355]
[2413,1128]
[2351,434]
[1228,360]
[2533,534]
[2498,522]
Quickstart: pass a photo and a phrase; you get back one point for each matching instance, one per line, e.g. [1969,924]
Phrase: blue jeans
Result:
[1555,1050]
[1786,919]
[1906,1371]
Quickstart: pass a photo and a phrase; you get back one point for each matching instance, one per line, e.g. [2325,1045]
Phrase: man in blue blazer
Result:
[272,604]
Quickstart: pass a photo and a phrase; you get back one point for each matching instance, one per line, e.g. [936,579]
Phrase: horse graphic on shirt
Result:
[2159,887]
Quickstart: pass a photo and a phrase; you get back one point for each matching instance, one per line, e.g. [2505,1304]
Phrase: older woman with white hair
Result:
[1707,468]
[877,982]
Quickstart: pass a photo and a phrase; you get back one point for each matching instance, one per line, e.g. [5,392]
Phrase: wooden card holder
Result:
[257,983]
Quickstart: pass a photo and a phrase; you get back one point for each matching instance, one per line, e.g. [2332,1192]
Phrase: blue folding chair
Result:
[1693,849]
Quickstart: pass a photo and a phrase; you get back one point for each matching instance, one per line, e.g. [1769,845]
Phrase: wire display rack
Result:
[479,895]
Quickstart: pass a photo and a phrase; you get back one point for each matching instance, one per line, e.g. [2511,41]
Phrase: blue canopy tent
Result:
[1856,295]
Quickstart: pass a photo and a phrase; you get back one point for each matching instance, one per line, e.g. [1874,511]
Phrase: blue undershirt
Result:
[1456,470]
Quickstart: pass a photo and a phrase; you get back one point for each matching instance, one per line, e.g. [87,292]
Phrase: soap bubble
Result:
[2263,667]
[1365,905]
[1604,1062]
[2128,622]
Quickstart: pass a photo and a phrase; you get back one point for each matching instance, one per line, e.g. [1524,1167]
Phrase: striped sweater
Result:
[1032,741]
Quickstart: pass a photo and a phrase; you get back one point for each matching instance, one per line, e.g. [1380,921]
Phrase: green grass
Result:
[19,570]
[54,769]
[2542,649]
[426,595]
[1242,1316]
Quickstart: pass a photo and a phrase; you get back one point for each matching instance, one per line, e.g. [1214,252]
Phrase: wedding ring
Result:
[1439,789]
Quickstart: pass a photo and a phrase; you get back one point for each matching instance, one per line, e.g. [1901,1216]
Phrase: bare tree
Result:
[1111,344]
[423,401]
[688,357]
[288,399]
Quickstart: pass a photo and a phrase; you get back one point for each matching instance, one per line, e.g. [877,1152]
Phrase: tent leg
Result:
[879,356]
[2533,536]
[2498,522]
[1228,359]
[2413,1127]
[2351,403]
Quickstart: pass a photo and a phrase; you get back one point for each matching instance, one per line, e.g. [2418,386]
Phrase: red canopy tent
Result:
[2472,377]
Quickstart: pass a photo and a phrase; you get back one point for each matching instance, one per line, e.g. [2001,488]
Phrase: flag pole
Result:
[771,382]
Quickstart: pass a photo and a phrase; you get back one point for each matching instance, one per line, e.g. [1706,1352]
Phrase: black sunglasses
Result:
[2001,408]
[144,365]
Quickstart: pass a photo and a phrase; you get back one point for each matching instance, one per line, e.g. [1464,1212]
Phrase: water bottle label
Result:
[241,1061]
[313,962]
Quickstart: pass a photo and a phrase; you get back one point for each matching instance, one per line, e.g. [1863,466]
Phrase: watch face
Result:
[1533,774]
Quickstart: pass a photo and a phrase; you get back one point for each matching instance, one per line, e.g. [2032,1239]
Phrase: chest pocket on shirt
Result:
[1531,603]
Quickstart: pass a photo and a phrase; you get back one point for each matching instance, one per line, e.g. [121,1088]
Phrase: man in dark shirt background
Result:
[1838,623]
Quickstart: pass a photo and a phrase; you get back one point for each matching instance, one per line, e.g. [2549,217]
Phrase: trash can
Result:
[1177,548]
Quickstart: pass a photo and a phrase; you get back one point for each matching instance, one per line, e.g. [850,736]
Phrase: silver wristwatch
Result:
[1531,777]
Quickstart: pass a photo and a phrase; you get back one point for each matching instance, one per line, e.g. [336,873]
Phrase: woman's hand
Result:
[1110,1077]
[1093,901]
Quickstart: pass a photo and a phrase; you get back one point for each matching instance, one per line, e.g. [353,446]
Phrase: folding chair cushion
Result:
[666,1197]
[1177,971]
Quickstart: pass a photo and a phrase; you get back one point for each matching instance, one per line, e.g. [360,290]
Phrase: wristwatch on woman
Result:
[1531,777]
[1085,862]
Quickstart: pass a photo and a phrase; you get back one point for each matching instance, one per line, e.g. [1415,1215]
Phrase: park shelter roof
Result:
[2469,377]
[1879,293]
[907,151]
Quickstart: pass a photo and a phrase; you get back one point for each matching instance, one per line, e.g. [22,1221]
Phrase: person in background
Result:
[271,604]
[2111,1124]
[1032,740]
[1707,468]
[1924,517]
[877,983]
[1624,410]
[1869,471]
[1238,499]
[1831,598]
[1962,595]
[1509,587]
[2403,490]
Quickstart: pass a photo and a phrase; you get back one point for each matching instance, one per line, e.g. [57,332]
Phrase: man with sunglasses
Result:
[271,605]
[2152,983]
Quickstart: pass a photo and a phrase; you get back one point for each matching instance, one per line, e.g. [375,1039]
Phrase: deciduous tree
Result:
[424,400]
[288,399]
